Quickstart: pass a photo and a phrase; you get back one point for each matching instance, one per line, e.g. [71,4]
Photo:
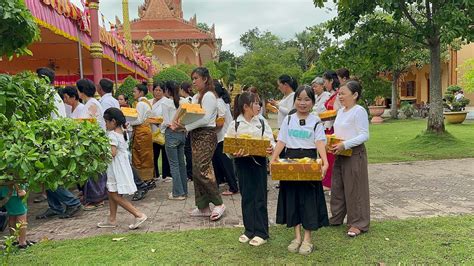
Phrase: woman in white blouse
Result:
[71,98]
[159,148]
[287,85]
[321,95]
[142,150]
[203,143]
[350,182]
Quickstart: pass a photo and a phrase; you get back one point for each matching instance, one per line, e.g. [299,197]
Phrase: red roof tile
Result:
[167,29]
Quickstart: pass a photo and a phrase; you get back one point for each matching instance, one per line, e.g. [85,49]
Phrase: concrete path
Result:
[398,191]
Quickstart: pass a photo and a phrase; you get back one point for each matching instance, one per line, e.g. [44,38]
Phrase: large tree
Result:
[433,22]
[310,43]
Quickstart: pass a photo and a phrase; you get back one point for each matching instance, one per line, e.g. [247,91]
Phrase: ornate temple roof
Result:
[163,20]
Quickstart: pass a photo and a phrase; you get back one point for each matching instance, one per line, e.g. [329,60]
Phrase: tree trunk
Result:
[435,116]
[394,107]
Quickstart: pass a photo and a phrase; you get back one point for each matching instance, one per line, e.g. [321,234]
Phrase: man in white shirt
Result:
[105,89]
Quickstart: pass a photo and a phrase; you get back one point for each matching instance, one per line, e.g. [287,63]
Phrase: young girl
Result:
[119,173]
[302,203]
[252,170]
[13,201]
[350,182]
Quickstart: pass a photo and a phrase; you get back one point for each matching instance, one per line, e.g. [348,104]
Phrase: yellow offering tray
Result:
[304,169]
[129,112]
[155,120]
[92,120]
[251,146]
[328,115]
[333,140]
[188,113]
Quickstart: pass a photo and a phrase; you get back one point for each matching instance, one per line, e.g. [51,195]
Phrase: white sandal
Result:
[243,239]
[217,212]
[257,241]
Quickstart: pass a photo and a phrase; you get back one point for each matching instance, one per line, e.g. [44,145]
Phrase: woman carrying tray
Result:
[350,182]
[252,170]
[302,203]
[203,143]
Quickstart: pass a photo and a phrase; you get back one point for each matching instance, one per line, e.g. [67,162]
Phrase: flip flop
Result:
[106,225]
[217,212]
[138,222]
[228,193]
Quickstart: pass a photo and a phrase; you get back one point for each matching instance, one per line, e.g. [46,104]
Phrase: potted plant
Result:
[454,105]
[377,109]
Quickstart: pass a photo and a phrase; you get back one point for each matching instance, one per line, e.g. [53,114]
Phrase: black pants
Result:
[224,168]
[188,153]
[164,160]
[252,173]
[138,181]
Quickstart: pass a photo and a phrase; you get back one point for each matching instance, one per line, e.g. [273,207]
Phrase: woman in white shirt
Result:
[94,192]
[142,149]
[71,98]
[186,94]
[321,95]
[350,182]
[223,166]
[174,143]
[287,85]
[204,142]
[159,148]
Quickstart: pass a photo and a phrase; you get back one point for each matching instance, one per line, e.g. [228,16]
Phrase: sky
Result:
[235,17]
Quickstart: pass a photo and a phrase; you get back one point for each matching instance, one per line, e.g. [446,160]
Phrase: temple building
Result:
[177,41]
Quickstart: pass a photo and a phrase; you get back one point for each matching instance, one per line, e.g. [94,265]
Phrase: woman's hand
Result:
[337,148]
[273,102]
[270,150]
[175,125]
[324,169]
[240,153]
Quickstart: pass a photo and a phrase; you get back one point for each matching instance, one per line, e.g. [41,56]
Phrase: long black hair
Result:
[289,80]
[186,87]
[246,98]
[332,76]
[172,88]
[221,92]
[117,115]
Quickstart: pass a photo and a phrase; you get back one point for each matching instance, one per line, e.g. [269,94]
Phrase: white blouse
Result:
[297,136]
[253,128]
[169,111]
[285,106]
[352,126]
[157,111]
[143,110]
[108,101]
[77,112]
[320,101]
[93,109]
[209,104]
[223,110]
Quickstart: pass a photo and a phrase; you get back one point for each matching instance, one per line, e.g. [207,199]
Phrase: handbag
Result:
[158,137]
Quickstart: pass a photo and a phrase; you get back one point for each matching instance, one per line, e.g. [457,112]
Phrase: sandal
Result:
[257,241]
[353,232]
[306,248]
[139,195]
[294,246]
[106,225]
[217,212]
[228,193]
[198,213]
[138,222]
[244,239]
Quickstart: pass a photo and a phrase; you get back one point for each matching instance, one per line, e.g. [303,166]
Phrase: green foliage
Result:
[450,101]
[310,43]
[25,97]
[467,80]
[407,109]
[214,70]
[203,26]
[60,152]
[266,59]
[188,69]
[17,28]
[127,89]
[172,73]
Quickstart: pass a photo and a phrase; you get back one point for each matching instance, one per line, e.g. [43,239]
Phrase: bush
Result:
[407,109]
[450,103]
[127,89]
[188,69]
[172,73]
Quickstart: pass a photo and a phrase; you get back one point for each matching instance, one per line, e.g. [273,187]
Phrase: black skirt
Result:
[302,202]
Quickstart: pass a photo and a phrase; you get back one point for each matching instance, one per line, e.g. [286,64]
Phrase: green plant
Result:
[407,109]
[127,89]
[17,28]
[9,240]
[172,73]
[55,153]
[188,69]
[450,101]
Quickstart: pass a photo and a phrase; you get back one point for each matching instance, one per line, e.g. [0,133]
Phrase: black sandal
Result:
[139,195]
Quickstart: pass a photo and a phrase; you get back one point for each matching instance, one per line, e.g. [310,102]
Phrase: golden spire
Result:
[126,22]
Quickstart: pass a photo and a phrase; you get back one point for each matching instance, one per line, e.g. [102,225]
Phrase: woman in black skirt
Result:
[302,203]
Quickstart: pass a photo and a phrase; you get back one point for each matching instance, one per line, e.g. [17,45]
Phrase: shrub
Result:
[127,89]
[172,73]
[450,103]
[407,109]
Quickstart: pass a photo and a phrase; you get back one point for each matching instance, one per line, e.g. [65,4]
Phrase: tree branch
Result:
[407,14]
[428,12]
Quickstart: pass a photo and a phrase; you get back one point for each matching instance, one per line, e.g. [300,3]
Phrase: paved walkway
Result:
[398,191]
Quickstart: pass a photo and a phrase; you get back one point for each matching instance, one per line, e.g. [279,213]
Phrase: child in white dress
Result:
[119,173]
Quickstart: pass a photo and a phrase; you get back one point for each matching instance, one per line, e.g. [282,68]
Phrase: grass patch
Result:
[441,240]
[405,140]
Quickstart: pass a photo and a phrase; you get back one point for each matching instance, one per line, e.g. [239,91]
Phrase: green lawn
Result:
[442,240]
[403,140]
